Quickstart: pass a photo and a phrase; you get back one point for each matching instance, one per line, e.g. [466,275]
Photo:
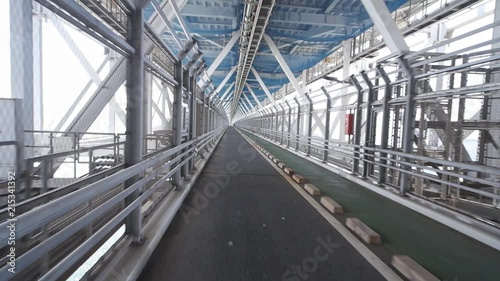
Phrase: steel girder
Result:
[256,18]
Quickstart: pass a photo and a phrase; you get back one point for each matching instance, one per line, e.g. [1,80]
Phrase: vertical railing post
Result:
[134,121]
[186,127]
[309,125]
[282,123]
[327,124]
[212,113]
[357,125]
[385,124]
[76,156]
[203,113]
[297,137]
[45,175]
[116,150]
[289,123]
[263,122]
[368,124]
[192,118]
[267,120]
[276,129]
[91,162]
[270,123]
[215,120]
[51,149]
[177,117]
[408,125]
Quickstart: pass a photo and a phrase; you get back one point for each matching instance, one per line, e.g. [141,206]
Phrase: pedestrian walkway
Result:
[244,221]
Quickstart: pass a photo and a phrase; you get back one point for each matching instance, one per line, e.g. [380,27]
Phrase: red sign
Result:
[349,124]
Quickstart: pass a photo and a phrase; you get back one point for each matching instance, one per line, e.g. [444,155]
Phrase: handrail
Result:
[38,218]
[370,152]
[72,152]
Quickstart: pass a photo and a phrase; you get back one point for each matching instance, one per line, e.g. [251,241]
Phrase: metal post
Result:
[209,114]
[309,124]
[282,122]
[261,122]
[22,168]
[267,121]
[21,53]
[289,124]
[344,100]
[148,109]
[186,82]
[297,137]
[192,117]
[271,123]
[276,129]
[203,114]
[212,115]
[368,124]
[409,123]
[45,175]
[177,117]
[483,134]
[148,103]
[385,123]
[38,18]
[357,126]
[134,121]
[327,124]
[91,162]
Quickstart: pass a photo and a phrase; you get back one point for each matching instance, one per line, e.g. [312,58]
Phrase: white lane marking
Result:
[375,261]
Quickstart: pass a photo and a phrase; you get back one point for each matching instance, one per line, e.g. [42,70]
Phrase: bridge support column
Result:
[22,78]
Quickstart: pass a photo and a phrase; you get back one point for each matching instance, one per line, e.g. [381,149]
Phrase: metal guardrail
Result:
[34,223]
